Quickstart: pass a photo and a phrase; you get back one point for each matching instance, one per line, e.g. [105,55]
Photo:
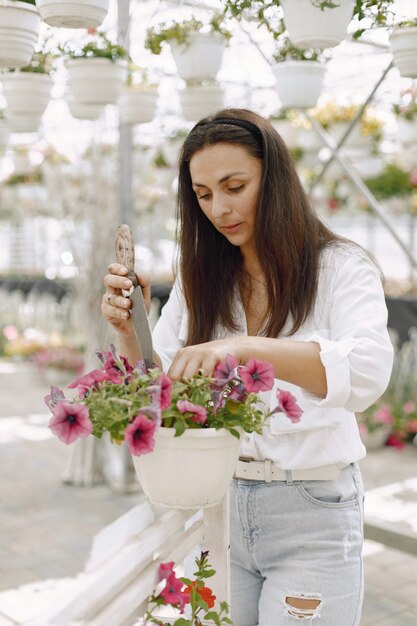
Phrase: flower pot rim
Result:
[18,4]
[192,433]
[397,31]
[27,76]
[293,62]
[95,61]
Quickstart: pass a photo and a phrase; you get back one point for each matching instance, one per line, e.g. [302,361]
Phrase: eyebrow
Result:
[222,180]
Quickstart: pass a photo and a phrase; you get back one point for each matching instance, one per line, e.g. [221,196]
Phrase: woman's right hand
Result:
[115,307]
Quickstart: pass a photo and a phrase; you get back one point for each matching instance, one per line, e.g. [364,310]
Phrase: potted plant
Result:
[28,90]
[393,183]
[199,99]
[197,48]
[405,111]
[299,75]
[187,425]
[403,42]
[19,31]
[70,14]
[80,111]
[139,99]
[96,69]
[375,425]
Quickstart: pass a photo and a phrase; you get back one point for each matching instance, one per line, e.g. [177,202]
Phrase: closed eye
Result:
[204,196]
[236,189]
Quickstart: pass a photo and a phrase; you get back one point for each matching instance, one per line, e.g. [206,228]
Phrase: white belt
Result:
[267,471]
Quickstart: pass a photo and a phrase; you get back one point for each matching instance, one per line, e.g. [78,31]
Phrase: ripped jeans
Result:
[297,540]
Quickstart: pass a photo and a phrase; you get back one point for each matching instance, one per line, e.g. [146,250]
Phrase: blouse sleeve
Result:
[358,353]
[170,331]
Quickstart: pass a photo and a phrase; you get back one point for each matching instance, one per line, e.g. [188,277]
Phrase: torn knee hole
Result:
[302,607]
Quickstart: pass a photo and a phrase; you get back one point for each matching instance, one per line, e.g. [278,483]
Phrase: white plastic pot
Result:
[403,42]
[310,27]
[136,106]
[19,31]
[190,471]
[96,80]
[4,135]
[198,101]
[84,111]
[73,13]
[201,58]
[23,122]
[299,83]
[356,139]
[27,93]
[289,133]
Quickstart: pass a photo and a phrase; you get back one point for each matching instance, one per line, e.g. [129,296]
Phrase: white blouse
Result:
[349,322]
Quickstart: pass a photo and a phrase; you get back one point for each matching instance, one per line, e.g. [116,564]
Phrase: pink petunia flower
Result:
[257,376]
[395,441]
[56,395]
[383,415]
[166,391]
[173,594]
[139,435]
[288,404]
[165,570]
[84,383]
[70,421]
[409,406]
[224,371]
[198,412]
[238,393]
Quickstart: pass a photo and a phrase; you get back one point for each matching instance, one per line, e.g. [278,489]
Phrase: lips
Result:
[231,227]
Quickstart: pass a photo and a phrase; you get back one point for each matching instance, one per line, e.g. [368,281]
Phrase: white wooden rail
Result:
[121,571]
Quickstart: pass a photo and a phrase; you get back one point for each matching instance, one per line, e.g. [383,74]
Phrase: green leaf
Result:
[179,426]
[213,616]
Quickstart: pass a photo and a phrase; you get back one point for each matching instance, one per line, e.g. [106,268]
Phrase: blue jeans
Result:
[292,540]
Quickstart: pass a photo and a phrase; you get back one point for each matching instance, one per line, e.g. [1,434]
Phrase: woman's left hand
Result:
[202,358]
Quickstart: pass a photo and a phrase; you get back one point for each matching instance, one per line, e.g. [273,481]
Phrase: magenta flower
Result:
[257,376]
[198,413]
[238,393]
[165,570]
[408,407]
[56,395]
[139,435]
[224,371]
[166,391]
[70,421]
[84,383]
[172,593]
[116,368]
[288,404]
[384,415]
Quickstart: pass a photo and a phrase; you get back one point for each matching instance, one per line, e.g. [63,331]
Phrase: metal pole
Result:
[358,182]
[125,132]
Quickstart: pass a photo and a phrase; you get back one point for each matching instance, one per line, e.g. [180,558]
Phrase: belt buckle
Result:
[246,459]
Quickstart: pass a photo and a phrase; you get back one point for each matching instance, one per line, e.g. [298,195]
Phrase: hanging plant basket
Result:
[201,58]
[190,471]
[96,81]
[403,43]
[310,27]
[89,112]
[27,93]
[299,83]
[197,101]
[73,13]
[23,122]
[19,31]
[137,106]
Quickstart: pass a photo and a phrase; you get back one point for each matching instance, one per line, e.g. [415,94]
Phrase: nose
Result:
[219,206]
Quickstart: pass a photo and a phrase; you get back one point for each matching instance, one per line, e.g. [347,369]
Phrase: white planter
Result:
[310,141]
[27,93]
[84,111]
[376,438]
[22,164]
[96,80]
[356,138]
[407,131]
[73,13]
[289,133]
[369,167]
[23,123]
[136,106]
[403,43]
[299,83]
[19,31]
[190,471]
[198,101]
[4,135]
[310,27]
[201,58]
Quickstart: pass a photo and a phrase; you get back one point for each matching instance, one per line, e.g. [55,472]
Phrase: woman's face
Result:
[226,180]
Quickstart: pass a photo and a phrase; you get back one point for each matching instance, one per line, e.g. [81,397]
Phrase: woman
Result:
[260,276]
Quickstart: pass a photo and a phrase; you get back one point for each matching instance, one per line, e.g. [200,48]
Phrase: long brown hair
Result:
[288,235]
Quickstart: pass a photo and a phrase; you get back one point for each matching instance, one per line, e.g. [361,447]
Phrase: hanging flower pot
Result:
[197,101]
[27,95]
[191,471]
[403,43]
[4,135]
[23,122]
[299,83]
[201,57]
[137,106]
[84,111]
[96,80]
[19,31]
[73,13]
[309,26]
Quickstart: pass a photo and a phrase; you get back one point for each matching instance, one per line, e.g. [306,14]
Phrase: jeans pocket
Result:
[340,493]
